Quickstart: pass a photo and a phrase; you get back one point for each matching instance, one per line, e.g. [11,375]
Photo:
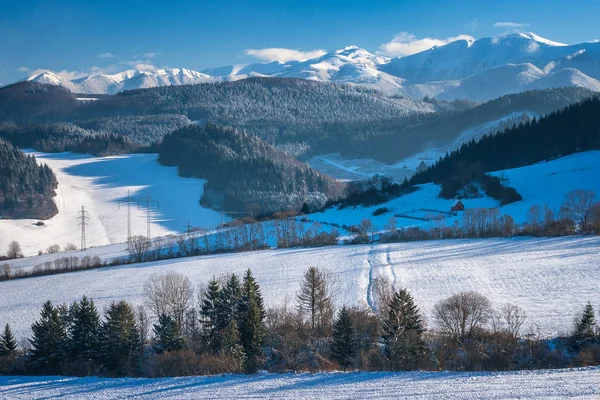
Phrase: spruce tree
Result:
[84,329]
[251,315]
[314,300]
[232,345]
[8,343]
[119,338]
[343,345]
[585,326]
[167,335]
[49,341]
[227,307]
[209,312]
[402,332]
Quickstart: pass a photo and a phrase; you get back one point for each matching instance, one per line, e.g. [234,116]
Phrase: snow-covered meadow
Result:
[551,279]
[99,184]
[542,384]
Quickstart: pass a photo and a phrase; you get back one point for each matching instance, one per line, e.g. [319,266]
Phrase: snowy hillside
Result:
[521,271]
[478,70]
[542,384]
[98,184]
[542,183]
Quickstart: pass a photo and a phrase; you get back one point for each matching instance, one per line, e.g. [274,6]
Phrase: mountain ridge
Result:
[461,69]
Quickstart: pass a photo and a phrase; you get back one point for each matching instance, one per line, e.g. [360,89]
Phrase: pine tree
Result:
[314,300]
[49,341]
[167,335]
[402,332]
[8,343]
[119,338]
[84,329]
[252,315]
[227,307]
[343,345]
[585,326]
[209,312]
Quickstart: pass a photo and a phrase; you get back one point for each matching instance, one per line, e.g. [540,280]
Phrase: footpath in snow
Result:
[543,384]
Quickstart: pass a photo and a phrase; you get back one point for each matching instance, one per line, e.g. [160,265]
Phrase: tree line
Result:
[227,328]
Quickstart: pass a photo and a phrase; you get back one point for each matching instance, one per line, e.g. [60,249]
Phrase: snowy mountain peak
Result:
[46,77]
[539,39]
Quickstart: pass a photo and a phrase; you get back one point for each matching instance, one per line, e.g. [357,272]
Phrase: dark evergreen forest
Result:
[26,188]
[573,129]
[243,171]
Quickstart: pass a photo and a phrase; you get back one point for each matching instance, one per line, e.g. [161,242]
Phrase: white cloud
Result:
[511,25]
[473,25]
[106,55]
[283,55]
[23,69]
[140,65]
[151,55]
[404,44]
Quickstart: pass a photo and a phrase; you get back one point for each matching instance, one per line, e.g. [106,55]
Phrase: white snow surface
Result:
[551,279]
[98,184]
[481,70]
[542,384]
[543,183]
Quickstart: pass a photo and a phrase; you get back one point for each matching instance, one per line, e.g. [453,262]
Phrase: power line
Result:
[128,201]
[83,224]
[149,201]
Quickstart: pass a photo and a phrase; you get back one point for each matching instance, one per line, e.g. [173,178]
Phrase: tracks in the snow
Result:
[378,267]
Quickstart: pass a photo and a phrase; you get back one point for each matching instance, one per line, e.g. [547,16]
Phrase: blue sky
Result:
[82,37]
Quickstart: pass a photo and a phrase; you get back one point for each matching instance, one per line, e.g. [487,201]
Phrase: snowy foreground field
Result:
[543,384]
[551,279]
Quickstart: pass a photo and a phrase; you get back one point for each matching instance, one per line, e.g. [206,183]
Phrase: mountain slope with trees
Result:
[26,188]
[244,171]
[573,129]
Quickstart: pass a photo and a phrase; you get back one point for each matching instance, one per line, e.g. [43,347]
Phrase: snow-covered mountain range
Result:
[478,70]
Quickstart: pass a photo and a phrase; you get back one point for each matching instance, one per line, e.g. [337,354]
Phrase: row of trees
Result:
[228,329]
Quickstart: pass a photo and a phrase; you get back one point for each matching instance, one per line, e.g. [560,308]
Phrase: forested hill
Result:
[243,171]
[573,129]
[26,188]
[393,140]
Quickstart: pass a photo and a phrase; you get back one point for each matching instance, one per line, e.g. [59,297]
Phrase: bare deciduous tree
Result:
[461,314]
[578,204]
[53,249]
[170,294]
[14,250]
[70,247]
[138,248]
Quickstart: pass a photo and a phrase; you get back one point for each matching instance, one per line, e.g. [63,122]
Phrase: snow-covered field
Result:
[99,184]
[551,279]
[543,384]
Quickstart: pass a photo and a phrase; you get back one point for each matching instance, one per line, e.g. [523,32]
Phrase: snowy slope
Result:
[521,271]
[542,384]
[543,183]
[98,184]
